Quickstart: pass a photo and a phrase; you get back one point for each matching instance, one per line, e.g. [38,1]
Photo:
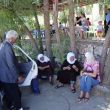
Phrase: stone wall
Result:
[94,46]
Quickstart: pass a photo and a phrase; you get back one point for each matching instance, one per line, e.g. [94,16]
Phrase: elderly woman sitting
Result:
[70,69]
[89,76]
[45,69]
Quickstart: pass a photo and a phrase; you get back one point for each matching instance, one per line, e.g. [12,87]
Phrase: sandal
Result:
[59,85]
[73,90]
[86,99]
[80,99]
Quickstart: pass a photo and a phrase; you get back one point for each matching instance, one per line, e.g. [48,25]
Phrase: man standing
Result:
[107,20]
[9,72]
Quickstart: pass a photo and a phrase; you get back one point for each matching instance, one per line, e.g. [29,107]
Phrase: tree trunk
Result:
[27,30]
[104,55]
[38,28]
[47,28]
[0,41]
[72,26]
[55,17]
[32,39]
[106,75]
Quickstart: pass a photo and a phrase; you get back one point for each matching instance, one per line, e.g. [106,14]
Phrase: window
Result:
[21,57]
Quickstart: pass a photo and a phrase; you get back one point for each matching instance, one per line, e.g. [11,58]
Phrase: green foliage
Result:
[107,2]
[29,21]
[28,48]
[6,21]
[22,8]
[37,2]
[42,27]
[65,43]
[4,3]
[63,17]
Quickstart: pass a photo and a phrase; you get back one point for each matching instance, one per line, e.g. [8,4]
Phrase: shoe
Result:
[59,86]
[80,99]
[26,108]
[73,90]
[12,108]
[86,99]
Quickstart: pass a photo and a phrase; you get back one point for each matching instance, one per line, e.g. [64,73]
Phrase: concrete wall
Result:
[88,45]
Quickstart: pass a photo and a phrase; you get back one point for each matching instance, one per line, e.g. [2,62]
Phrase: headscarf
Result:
[46,59]
[39,58]
[89,58]
[69,55]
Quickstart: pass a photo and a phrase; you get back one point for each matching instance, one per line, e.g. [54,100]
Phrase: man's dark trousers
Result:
[12,95]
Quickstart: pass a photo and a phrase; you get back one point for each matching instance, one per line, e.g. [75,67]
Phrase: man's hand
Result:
[20,79]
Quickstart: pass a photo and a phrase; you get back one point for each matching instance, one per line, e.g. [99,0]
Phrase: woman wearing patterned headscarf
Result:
[69,71]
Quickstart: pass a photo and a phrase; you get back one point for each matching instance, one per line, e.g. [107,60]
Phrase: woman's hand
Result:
[67,68]
[85,73]
[74,67]
[90,74]
[41,68]
[45,67]
[81,72]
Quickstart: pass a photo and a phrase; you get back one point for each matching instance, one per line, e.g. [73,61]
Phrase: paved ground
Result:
[61,99]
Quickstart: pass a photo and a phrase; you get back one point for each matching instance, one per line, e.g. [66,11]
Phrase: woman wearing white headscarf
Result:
[70,69]
[45,69]
[89,76]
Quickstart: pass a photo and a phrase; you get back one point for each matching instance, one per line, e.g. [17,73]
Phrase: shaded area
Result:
[61,99]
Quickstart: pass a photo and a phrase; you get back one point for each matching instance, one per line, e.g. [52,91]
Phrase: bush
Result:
[65,45]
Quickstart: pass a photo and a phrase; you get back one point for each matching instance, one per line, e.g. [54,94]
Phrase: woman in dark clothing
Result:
[70,69]
[45,69]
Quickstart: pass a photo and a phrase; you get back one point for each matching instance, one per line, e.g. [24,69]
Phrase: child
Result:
[99,30]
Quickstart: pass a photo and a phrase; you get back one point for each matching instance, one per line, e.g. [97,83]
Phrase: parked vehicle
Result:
[28,67]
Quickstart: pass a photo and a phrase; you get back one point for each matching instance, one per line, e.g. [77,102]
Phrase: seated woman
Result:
[45,69]
[89,76]
[70,69]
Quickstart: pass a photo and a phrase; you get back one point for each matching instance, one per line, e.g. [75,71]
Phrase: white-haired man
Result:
[9,72]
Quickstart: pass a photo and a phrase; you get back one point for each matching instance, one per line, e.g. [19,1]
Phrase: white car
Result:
[27,65]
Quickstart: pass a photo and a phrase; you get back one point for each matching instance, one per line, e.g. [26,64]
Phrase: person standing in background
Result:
[88,24]
[99,30]
[107,20]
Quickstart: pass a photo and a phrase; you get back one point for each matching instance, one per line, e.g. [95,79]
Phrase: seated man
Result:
[89,76]
[45,69]
[70,69]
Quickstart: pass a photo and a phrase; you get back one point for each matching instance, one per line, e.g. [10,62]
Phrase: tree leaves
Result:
[6,21]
